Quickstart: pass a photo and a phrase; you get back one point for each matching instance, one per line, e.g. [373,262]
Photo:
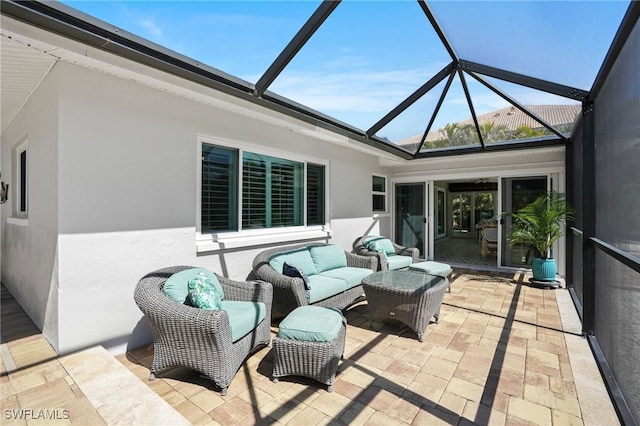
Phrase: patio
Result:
[502,353]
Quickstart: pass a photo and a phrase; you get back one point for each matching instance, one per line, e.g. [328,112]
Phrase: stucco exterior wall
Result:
[128,160]
[114,195]
[29,247]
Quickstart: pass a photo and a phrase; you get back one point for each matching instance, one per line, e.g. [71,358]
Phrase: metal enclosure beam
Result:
[510,146]
[628,23]
[434,81]
[516,104]
[588,219]
[67,22]
[445,90]
[534,83]
[304,34]
[570,168]
[438,29]
[471,108]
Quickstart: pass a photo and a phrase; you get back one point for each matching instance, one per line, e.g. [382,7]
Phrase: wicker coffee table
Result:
[411,297]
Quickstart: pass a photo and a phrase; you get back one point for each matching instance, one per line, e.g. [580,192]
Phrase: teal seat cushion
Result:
[243,316]
[352,276]
[433,268]
[398,262]
[177,285]
[300,258]
[328,257]
[323,287]
[311,324]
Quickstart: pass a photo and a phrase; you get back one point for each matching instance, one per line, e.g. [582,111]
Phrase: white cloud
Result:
[361,91]
[152,28]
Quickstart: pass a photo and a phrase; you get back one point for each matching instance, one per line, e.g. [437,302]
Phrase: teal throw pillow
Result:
[373,245]
[203,294]
[176,286]
[382,245]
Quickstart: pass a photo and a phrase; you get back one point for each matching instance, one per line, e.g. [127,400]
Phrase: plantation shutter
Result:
[315,194]
[219,199]
[254,191]
[272,192]
[286,194]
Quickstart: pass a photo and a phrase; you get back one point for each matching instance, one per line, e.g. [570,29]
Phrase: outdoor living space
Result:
[502,353]
[141,137]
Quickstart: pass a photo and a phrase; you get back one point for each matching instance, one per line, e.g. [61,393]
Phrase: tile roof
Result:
[511,118]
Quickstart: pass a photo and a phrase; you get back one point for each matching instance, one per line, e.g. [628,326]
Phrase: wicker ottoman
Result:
[434,268]
[310,342]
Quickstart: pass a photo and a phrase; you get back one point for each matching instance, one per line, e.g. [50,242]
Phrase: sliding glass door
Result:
[409,215]
[517,193]
[440,226]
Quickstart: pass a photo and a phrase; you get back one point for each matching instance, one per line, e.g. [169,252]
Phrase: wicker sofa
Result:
[197,338]
[325,290]
[396,257]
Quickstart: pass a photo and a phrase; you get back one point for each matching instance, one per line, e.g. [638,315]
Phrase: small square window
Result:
[378,184]
[379,189]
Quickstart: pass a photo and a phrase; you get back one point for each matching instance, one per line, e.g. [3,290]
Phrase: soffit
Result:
[21,71]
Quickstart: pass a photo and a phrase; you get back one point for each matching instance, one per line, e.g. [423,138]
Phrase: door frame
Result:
[427,250]
[436,190]
[504,251]
[530,162]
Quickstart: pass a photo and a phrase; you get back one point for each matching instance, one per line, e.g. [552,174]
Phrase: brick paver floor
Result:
[497,356]
[502,353]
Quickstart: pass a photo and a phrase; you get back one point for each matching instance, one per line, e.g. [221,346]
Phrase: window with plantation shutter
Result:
[286,193]
[219,189]
[273,191]
[315,194]
[254,192]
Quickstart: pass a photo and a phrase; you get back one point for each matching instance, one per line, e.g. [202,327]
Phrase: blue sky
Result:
[369,55]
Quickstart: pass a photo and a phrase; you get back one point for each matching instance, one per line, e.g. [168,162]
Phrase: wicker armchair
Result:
[289,292]
[196,338]
[489,241]
[361,249]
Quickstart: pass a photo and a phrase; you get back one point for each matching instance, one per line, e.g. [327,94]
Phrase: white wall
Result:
[29,247]
[113,196]
[127,200]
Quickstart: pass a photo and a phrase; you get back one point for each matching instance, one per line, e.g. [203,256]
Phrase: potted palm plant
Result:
[540,224]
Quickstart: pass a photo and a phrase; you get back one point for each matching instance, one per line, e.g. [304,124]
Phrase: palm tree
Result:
[449,131]
[491,132]
[540,223]
[525,132]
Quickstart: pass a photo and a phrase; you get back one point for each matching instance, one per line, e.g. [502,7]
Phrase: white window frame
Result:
[385,194]
[22,147]
[213,242]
